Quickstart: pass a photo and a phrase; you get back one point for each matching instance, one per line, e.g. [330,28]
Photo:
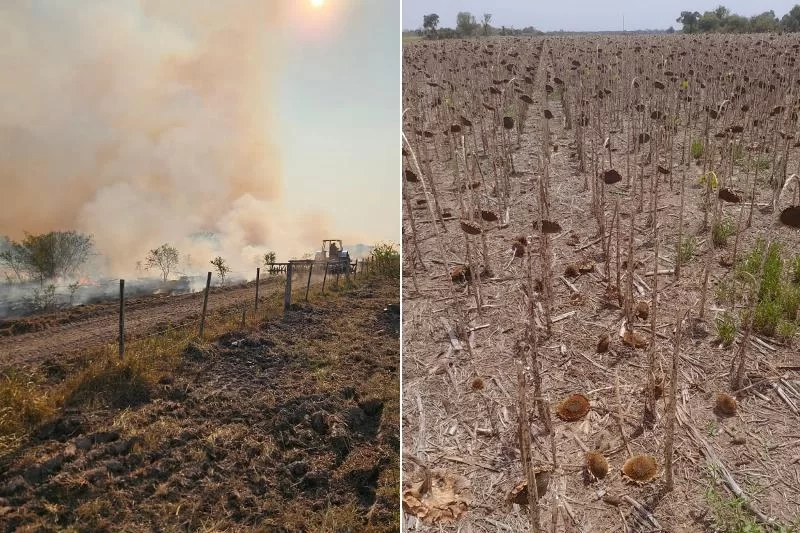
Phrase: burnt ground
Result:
[293,426]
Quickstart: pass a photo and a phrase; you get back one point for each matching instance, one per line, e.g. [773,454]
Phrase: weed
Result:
[687,249]
[724,291]
[768,314]
[785,331]
[697,149]
[730,514]
[720,232]
[22,406]
[726,329]
[795,269]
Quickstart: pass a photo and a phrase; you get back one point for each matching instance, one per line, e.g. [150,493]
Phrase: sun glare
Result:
[317,3]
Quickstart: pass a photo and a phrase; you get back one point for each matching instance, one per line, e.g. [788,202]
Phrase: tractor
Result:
[333,254]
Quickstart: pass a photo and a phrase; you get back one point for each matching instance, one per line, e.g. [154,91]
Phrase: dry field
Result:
[586,216]
[290,424]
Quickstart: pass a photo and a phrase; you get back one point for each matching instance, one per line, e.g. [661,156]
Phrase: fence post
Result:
[324,277]
[258,277]
[121,318]
[287,295]
[205,305]
[308,283]
[338,272]
[347,272]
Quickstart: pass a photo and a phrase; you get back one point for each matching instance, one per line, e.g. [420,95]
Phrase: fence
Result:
[191,315]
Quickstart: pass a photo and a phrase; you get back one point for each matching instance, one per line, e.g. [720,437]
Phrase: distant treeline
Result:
[468,26]
[721,20]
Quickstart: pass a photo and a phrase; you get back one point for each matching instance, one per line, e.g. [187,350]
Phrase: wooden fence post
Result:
[121,318]
[287,295]
[205,306]
[258,277]
[324,277]
[308,283]
[338,272]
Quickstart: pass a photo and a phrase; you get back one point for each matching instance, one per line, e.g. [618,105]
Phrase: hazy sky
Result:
[271,124]
[340,110]
[579,15]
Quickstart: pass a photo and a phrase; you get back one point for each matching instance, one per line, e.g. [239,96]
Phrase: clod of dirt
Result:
[60,428]
[726,405]
[642,310]
[371,406]
[519,245]
[101,437]
[197,352]
[603,342]
[489,216]
[477,384]
[298,468]
[508,123]
[612,499]
[459,274]
[573,408]
[597,465]
[519,494]
[640,469]
[439,499]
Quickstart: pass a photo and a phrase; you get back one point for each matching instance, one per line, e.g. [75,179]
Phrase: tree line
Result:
[722,20]
[468,26]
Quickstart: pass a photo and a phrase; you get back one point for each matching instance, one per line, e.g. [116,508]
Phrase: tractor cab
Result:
[333,252]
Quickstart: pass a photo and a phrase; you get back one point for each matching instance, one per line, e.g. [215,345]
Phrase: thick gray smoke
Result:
[143,122]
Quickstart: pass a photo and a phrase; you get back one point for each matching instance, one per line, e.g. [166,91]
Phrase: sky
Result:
[269,124]
[579,15]
[339,113]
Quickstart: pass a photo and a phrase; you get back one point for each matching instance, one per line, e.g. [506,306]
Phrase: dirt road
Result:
[68,332]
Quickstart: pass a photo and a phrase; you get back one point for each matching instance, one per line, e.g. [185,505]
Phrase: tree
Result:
[269,258]
[430,22]
[487,18]
[689,20]
[47,256]
[791,20]
[765,22]
[165,258]
[221,267]
[465,23]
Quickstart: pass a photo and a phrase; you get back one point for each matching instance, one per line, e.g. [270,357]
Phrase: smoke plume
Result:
[143,122]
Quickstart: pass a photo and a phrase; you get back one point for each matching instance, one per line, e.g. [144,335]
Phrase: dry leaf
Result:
[443,503]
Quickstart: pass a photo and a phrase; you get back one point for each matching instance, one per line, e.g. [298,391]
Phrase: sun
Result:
[317,3]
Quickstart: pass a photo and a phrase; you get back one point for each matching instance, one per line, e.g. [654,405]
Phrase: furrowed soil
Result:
[461,406]
[289,427]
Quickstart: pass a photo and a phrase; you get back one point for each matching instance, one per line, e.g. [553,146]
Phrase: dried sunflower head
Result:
[726,405]
[596,464]
[640,469]
[573,408]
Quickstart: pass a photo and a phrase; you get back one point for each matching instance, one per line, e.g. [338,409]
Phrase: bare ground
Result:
[450,423]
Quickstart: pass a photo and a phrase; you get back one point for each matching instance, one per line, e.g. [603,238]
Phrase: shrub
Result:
[387,260]
[768,314]
[785,331]
[687,249]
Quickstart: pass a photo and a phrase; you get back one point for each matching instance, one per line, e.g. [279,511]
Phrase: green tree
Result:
[221,267]
[430,22]
[465,23]
[689,19]
[765,22]
[47,256]
[487,18]
[165,258]
[791,20]
[269,258]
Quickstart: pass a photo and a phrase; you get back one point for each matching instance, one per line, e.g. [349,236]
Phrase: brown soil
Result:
[448,423]
[290,427]
[28,341]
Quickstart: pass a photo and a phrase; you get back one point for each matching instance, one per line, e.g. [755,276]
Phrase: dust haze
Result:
[143,122]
